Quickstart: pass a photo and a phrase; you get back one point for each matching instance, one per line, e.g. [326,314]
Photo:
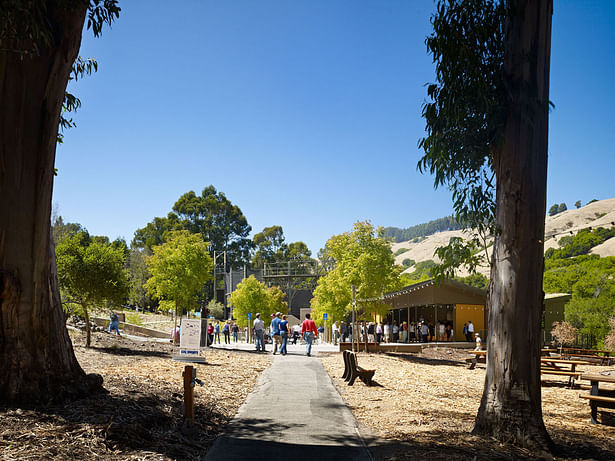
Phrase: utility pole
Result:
[354,318]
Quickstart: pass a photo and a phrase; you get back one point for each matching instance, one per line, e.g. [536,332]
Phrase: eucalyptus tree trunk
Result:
[511,403]
[36,355]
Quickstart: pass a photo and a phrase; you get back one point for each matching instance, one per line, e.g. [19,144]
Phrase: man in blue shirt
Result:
[275,332]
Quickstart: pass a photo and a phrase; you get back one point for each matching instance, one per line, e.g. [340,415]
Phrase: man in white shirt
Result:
[470,330]
[259,333]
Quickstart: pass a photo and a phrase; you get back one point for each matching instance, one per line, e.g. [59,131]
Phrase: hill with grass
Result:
[558,229]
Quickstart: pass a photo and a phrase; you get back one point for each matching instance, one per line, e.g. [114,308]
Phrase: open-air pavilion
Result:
[447,302]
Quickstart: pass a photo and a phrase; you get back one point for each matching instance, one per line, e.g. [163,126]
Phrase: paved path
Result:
[294,413]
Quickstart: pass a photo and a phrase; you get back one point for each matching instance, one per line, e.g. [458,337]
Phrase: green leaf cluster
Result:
[591,280]
[91,271]
[362,258]
[251,296]
[211,215]
[270,248]
[179,268]
[580,243]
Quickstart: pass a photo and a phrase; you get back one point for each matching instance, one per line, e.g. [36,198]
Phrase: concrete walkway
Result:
[295,412]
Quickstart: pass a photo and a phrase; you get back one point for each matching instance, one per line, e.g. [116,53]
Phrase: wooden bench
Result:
[561,367]
[598,401]
[599,397]
[352,370]
[477,356]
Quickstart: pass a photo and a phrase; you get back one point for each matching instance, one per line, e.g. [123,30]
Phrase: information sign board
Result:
[190,337]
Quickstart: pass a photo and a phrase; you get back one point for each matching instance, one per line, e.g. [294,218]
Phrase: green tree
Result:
[276,296]
[554,210]
[39,43]
[210,214]
[90,273]
[219,222]
[138,275]
[216,309]
[250,296]
[577,204]
[179,268]
[487,125]
[269,246]
[362,258]
[561,208]
[408,262]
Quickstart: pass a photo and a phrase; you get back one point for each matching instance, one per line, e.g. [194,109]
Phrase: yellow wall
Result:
[465,312]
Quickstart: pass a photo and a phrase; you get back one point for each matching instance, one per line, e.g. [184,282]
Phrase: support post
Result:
[189,376]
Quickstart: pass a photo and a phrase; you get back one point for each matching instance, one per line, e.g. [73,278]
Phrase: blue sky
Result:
[305,113]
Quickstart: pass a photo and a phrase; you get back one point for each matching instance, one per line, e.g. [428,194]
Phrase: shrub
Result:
[564,333]
[408,262]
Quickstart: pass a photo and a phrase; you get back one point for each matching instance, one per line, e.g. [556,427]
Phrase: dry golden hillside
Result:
[596,214]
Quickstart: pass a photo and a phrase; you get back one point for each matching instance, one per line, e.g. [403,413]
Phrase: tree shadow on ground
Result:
[125,351]
[425,360]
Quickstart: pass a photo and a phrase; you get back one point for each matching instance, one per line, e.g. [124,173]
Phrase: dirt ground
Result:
[141,415]
[422,408]
[425,404]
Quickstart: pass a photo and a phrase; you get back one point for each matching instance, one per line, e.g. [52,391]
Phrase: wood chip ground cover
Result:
[425,404]
[141,415]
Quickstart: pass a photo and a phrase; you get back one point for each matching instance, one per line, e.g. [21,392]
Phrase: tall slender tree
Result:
[487,122]
[39,42]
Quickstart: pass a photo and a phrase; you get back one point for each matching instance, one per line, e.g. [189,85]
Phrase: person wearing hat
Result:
[275,331]
[479,343]
[259,333]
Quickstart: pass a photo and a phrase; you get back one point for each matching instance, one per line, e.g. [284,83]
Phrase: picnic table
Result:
[604,398]
[603,356]
[561,367]
[476,357]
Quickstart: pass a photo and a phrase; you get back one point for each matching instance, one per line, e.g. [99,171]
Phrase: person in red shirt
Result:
[309,332]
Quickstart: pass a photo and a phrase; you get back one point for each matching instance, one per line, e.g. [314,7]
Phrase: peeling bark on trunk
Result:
[511,404]
[36,355]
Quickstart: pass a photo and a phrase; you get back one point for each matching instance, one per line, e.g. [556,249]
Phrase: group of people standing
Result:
[279,331]
[392,332]
[227,328]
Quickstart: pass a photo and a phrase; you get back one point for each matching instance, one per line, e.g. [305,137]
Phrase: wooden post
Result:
[188,395]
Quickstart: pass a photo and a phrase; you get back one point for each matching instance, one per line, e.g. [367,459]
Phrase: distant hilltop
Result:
[420,247]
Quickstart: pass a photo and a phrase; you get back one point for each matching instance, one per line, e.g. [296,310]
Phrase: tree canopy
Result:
[362,258]
[211,215]
[179,268]
[90,272]
[270,248]
[251,296]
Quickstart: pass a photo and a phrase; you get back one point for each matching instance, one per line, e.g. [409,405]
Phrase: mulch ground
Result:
[422,408]
[425,404]
[141,414]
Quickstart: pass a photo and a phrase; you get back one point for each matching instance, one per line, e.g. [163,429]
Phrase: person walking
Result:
[309,332]
[470,335]
[235,331]
[114,323]
[259,333]
[226,330]
[284,334]
[275,332]
[335,328]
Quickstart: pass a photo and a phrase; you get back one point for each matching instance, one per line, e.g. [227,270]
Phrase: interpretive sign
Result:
[190,337]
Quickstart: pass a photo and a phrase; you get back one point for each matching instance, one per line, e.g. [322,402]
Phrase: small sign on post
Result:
[324,316]
[249,315]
